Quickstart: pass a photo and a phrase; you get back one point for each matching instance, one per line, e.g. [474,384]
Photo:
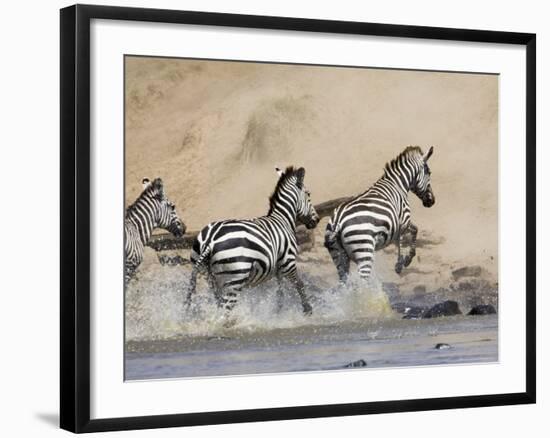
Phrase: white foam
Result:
[155,309]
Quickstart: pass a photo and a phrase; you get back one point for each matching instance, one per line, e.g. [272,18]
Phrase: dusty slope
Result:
[214,131]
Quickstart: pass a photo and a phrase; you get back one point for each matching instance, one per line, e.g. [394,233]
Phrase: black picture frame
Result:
[75,217]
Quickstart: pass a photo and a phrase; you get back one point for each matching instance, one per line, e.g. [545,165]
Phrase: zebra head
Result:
[422,185]
[305,212]
[168,218]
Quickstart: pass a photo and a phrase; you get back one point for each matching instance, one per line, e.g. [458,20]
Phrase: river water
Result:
[349,325]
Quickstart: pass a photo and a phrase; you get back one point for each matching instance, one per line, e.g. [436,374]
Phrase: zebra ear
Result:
[300,174]
[145,182]
[279,171]
[428,154]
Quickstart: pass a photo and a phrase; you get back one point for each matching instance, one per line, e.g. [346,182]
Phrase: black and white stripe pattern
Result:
[151,210]
[380,216]
[244,253]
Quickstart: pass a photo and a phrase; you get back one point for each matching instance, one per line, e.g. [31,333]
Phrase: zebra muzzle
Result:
[428,200]
[312,223]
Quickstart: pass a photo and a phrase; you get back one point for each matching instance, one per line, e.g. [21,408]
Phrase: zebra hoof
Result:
[398,268]
[307,309]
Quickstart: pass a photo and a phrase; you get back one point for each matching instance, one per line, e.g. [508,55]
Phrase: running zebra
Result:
[244,253]
[151,210]
[380,216]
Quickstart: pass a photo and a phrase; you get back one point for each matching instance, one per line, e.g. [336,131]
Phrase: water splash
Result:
[155,306]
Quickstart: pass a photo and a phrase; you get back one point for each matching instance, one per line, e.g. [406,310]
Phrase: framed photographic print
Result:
[255,209]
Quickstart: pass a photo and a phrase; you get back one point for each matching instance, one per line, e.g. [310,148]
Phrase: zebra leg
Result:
[129,270]
[229,301]
[404,261]
[301,289]
[191,288]
[413,229]
[227,294]
[343,266]
[280,294]
[400,259]
[364,257]
[339,256]
[213,284]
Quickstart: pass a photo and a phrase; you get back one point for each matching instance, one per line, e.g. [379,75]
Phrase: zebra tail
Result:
[331,235]
[204,257]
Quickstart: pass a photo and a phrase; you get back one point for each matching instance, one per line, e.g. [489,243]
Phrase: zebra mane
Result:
[153,189]
[408,152]
[289,172]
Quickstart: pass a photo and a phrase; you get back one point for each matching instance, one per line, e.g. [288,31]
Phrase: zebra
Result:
[151,210]
[244,253]
[380,216]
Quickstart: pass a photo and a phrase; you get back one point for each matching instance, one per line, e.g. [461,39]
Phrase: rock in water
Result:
[414,312]
[442,346]
[446,308]
[357,364]
[482,309]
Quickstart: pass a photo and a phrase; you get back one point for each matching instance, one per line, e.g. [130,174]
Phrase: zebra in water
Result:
[244,253]
[151,210]
[380,216]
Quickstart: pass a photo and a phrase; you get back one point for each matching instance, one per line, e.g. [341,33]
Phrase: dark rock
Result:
[442,346]
[167,241]
[400,307]
[467,271]
[357,364]
[326,208]
[482,309]
[471,284]
[446,308]
[414,312]
[409,310]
